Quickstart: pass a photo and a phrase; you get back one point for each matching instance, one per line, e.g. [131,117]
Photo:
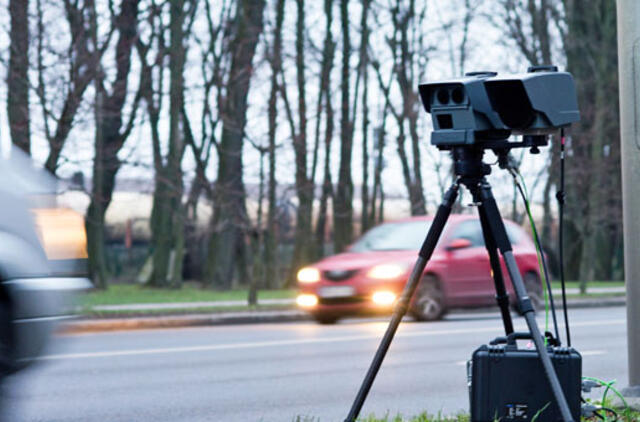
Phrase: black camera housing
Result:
[483,107]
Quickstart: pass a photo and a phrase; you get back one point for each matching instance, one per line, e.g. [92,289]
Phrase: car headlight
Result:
[307,300]
[387,271]
[383,298]
[308,275]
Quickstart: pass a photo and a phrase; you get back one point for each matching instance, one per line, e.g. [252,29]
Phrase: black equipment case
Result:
[509,384]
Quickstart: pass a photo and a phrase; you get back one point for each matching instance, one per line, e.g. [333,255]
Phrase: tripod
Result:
[470,172]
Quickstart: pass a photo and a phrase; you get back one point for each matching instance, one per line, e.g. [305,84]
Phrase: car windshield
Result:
[407,235]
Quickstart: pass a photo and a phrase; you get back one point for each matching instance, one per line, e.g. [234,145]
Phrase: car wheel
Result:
[534,291]
[325,319]
[429,300]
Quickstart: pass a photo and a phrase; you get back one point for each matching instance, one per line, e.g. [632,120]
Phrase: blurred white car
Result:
[40,264]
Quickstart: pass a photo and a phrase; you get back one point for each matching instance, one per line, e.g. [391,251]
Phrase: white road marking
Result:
[593,353]
[278,343]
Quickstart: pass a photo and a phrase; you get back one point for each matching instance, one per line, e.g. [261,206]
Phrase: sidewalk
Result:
[220,317]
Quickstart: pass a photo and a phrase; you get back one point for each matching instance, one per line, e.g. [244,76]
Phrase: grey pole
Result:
[629,73]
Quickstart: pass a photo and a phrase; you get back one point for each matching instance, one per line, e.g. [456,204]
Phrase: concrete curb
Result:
[175,321]
[89,325]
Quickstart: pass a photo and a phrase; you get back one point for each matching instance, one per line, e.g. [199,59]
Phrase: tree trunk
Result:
[302,251]
[325,86]
[271,234]
[230,216]
[410,103]
[377,172]
[167,215]
[257,265]
[343,201]
[18,76]
[364,70]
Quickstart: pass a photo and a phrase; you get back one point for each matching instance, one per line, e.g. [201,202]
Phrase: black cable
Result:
[536,238]
[560,198]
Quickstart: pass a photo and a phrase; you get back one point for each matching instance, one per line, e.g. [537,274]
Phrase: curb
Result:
[94,325]
[177,321]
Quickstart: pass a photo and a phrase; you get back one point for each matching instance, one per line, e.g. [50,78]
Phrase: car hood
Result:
[352,260]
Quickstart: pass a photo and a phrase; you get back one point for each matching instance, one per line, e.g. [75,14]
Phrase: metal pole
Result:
[629,73]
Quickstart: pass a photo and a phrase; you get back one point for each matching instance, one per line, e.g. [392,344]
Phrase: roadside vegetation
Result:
[623,416]
[591,284]
[132,294]
[120,294]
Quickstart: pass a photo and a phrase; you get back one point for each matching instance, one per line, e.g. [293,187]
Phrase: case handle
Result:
[511,338]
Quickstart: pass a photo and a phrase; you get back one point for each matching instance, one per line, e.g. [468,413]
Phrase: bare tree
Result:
[110,136]
[343,200]
[590,45]
[82,55]
[586,32]
[18,76]
[408,53]
[328,51]
[167,215]
[227,246]
[270,238]
[302,251]
[363,70]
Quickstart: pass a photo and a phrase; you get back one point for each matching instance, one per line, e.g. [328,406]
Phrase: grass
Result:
[624,416]
[423,417]
[576,284]
[592,295]
[122,294]
[89,312]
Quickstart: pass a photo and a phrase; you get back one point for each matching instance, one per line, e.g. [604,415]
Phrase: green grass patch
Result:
[122,294]
[423,417]
[624,416]
[89,312]
[576,284]
[591,295]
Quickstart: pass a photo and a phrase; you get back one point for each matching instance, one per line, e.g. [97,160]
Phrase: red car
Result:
[368,277]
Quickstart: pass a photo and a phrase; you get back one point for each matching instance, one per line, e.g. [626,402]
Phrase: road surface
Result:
[275,372]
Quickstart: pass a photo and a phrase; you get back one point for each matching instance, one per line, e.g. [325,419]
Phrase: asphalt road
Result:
[275,372]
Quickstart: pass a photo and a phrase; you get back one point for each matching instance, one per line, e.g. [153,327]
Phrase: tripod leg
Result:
[482,194]
[402,305]
[502,297]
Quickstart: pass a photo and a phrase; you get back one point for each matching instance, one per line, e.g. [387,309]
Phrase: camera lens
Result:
[457,95]
[442,95]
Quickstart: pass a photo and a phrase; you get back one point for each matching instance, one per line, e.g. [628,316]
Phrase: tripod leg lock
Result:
[525,305]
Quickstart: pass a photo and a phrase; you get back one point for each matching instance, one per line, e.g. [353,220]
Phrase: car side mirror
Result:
[458,244]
